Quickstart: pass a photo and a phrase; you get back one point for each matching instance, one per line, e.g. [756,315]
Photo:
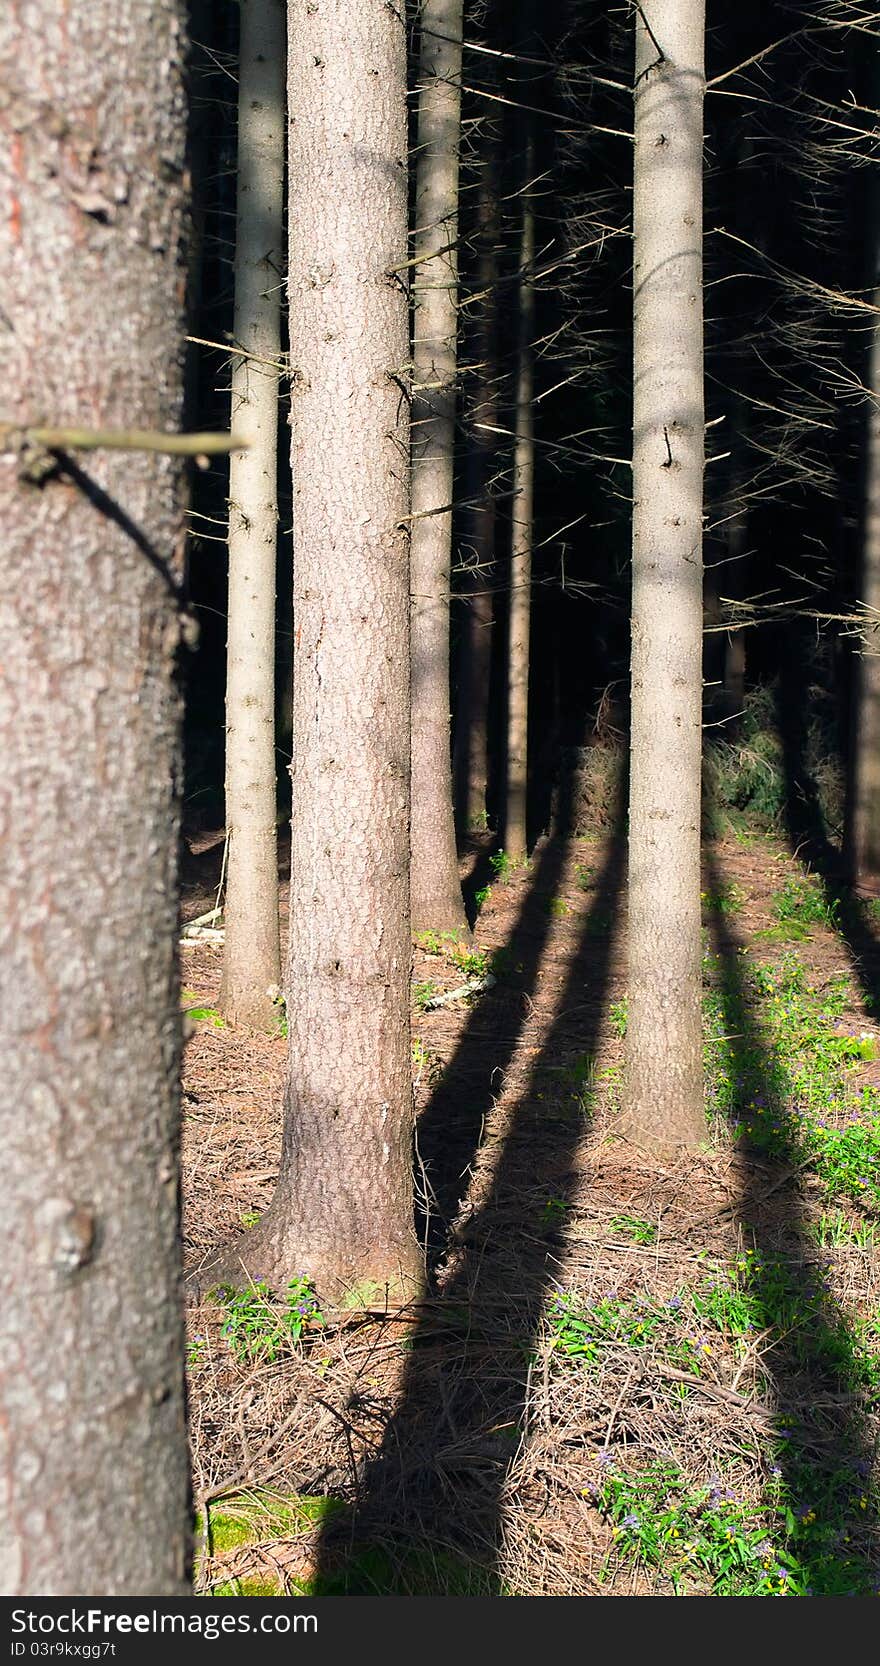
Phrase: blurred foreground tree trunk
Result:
[94,1476]
[436,892]
[252,953]
[343,1208]
[663,1093]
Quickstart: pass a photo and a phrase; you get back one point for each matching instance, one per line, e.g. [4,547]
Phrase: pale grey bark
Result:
[522,532]
[252,953]
[94,1474]
[436,892]
[477,549]
[343,1209]
[663,1097]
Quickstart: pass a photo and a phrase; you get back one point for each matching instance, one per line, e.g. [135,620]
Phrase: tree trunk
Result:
[252,953]
[95,1491]
[435,890]
[343,1208]
[663,1098]
[471,749]
[862,837]
[515,833]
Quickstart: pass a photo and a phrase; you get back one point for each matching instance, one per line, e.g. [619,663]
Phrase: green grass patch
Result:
[726,898]
[798,1539]
[780,1070]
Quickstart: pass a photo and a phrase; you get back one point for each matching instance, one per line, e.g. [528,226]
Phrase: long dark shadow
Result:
[451,1126]
[433,1492]
[807,832]
[824,1446]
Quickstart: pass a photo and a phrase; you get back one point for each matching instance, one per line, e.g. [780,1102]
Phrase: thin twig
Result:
[14,438]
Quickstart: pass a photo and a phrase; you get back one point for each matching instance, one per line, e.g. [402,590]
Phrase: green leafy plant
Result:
[801,903]
[835,1230]
[474,963]
[618,1015]
[502,866]
[280,1009]
[579,1081]
[423,994]
[435,942]
[258,1328]
[795,1541]
[641,1232]
[204,1015]
[426,1065]
[728,898]
[692,1534]
[195,1351]
[448,945]
[780,1069]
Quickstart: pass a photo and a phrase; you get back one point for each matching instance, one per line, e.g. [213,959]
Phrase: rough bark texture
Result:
[252,953]
[477,548]
[863,817]
[435,889]
[94,1474]
[522,512]
[343,1210]
[663,1099]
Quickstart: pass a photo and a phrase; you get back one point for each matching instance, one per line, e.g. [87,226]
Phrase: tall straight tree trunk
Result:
[343,1208]
[94,1472]
[471,750]
[862,834]
[515,832]
[252,953]
[663,1097]
[435,889]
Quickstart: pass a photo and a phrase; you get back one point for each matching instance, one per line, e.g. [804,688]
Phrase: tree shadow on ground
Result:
[432,1494]
[807,831]
[822,1443]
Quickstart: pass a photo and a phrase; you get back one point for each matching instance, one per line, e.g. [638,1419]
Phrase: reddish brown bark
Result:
[343,1209]
[94,1474]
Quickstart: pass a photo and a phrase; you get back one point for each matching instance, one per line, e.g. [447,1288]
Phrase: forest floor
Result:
[627,1378]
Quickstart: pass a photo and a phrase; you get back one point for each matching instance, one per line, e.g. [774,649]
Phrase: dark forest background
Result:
[790,252]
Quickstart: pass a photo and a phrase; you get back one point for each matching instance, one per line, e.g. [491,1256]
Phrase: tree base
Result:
[252,1008]
[655,1143]
[377,1279]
